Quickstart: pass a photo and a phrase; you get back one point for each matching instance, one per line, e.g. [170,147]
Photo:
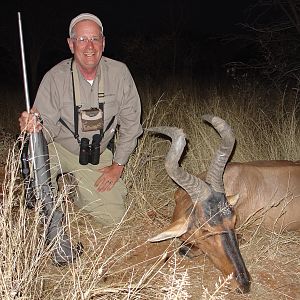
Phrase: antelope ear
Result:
[233,199]
[176,229]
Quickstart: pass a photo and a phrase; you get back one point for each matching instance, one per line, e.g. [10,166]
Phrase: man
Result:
[81,101]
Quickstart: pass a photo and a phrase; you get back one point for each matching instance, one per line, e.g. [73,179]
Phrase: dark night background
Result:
[154,38]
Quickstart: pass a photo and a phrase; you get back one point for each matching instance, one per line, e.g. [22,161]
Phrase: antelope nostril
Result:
[243,289]
[244,286]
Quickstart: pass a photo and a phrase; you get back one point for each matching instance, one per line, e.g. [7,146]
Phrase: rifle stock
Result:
[54,216]
[25,170]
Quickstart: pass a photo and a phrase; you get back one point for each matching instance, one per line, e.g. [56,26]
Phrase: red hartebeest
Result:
[203,219]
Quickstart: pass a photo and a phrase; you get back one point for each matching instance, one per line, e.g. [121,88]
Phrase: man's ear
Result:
[103,44]
[71,45]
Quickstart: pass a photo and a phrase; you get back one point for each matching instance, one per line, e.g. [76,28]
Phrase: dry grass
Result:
[119,263]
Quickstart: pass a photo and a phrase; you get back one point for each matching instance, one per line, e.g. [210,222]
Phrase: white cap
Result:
[85,16]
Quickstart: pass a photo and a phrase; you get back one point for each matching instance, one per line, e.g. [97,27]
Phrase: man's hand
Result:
[110,175]
[30,121]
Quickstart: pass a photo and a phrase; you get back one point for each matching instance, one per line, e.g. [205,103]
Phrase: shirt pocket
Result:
[67,111]
[111,108]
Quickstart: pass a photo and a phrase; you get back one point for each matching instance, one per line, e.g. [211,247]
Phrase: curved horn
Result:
[216,169]
[195,187]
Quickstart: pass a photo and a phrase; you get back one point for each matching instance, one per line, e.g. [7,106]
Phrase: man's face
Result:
[87,45]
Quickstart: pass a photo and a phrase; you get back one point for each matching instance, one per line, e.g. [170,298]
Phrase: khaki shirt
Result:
[54,100]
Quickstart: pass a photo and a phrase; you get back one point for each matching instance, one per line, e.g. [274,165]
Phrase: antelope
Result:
[203,219]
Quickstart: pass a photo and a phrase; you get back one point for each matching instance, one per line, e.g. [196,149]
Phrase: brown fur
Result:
[269,193]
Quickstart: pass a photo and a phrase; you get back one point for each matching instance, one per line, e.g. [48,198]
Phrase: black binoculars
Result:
[90,153]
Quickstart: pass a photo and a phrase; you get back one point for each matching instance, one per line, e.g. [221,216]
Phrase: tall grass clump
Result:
[22,255]
[266,127]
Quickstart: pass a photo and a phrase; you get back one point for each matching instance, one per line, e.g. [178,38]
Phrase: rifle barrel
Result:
[34,135]
[23,64]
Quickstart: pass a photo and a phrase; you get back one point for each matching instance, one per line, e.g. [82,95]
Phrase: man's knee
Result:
[109,216]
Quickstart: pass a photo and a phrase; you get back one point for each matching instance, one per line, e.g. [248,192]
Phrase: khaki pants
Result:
[107,207]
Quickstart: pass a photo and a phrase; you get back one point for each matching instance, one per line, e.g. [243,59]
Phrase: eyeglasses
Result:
[83,40]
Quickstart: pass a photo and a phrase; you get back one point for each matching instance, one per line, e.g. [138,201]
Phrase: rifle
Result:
[35,150]
[25,170]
